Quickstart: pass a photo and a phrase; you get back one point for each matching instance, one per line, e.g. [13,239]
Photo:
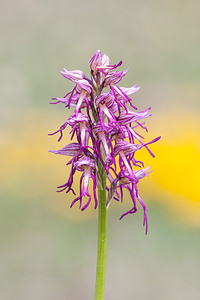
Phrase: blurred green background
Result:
[48,251]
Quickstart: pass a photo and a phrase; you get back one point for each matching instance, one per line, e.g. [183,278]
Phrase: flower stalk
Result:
[102,237]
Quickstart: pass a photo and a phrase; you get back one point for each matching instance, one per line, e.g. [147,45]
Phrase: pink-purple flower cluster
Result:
[104,131]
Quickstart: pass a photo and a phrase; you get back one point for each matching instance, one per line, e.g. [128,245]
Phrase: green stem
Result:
[102,238]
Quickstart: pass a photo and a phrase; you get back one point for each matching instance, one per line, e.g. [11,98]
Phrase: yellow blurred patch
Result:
[27,166]
[175,179]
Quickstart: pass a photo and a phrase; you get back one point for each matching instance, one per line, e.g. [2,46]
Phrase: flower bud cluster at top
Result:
[105,132]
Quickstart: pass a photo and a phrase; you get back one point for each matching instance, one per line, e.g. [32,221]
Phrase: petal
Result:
[131,90]
[73,75]
[96,60]
[70,150]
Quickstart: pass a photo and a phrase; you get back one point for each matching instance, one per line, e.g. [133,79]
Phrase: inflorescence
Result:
[104,129]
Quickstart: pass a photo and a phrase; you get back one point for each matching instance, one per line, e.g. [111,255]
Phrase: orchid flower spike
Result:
[104,131]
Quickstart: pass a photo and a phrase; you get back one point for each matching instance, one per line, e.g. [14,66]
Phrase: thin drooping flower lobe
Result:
[104,131]
[86,165]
